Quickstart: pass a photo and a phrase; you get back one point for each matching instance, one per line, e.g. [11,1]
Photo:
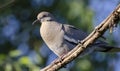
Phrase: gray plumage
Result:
[61,38]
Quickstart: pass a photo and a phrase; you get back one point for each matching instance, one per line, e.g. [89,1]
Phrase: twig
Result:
[110,22]
[6,4]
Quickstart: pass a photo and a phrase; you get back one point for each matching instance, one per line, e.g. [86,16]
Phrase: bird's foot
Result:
[80,42]
[59,60]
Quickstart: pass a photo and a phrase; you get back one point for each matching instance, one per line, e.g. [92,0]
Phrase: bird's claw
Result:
[59,60]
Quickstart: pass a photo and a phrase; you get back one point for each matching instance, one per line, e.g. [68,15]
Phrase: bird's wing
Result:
[73,34]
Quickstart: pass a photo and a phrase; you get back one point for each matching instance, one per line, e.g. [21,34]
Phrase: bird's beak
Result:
[35,21]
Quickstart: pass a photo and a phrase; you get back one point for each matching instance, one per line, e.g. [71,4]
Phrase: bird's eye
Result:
[44,16]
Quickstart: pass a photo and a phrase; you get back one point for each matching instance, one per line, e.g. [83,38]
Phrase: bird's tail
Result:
[106,48]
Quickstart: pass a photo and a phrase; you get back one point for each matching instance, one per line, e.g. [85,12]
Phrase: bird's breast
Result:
[49,32]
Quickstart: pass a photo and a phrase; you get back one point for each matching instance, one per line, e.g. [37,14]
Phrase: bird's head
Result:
[44,16]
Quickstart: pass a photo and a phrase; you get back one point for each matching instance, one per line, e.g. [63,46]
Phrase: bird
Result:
[61,38]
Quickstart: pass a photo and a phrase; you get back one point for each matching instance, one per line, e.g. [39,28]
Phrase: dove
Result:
[61,38]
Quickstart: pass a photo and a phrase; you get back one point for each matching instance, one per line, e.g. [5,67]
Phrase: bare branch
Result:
[6,4]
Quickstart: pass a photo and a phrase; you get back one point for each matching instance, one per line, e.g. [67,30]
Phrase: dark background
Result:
[22,49]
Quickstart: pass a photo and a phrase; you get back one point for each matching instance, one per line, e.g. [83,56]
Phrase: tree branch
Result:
[6,4]
[109,23]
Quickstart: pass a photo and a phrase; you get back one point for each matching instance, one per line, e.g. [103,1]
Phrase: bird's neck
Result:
[50,26]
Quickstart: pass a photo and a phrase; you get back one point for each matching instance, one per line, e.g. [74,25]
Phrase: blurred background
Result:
[22,49]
